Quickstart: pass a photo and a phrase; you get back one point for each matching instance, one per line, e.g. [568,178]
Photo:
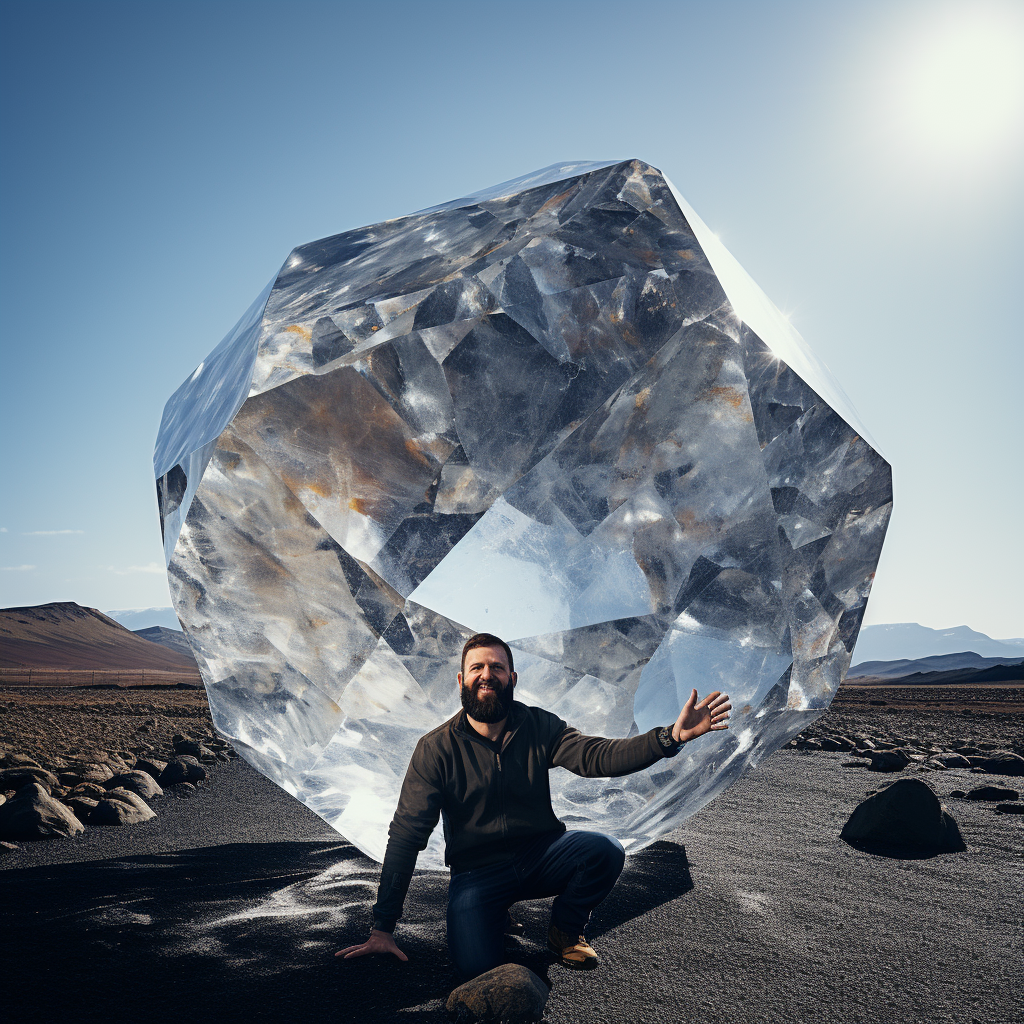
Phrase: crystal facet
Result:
[558,411]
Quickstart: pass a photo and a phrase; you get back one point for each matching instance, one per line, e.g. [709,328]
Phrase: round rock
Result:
[1002,762]
[183,768]
[511,993]
[121,807]
[138,782]
[26,775]
[18,761]
[993,793]
[151,766]
[951,760]
[905,815]
[34,814]
[82,806]
[888,761]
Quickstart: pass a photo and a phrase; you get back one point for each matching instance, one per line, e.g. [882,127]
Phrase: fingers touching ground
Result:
[379,942]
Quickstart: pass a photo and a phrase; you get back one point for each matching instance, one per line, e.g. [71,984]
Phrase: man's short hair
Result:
[486,640]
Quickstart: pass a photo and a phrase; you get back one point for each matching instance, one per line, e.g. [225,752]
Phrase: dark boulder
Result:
[26,775]
[18,761]
[905,816]
[183,768]
[888,760]
[1002,762]
[121,807]
[82,806]
[511,993]
[151,766]
[34,814]
[993,793]
[193,748]
[93,771]
[92,790]
[951,760]
[138,782]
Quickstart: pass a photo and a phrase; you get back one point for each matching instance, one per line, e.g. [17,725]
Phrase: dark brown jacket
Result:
[492,799]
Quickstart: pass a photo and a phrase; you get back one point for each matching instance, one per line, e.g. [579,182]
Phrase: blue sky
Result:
[861,160]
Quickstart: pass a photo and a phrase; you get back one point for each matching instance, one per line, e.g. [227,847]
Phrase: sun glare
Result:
[959,98]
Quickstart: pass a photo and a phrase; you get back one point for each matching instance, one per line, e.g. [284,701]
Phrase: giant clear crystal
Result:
[557,410]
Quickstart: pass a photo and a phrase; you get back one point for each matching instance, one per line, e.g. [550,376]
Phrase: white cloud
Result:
[154,567]
[3,529]
[16,568]
[48,533]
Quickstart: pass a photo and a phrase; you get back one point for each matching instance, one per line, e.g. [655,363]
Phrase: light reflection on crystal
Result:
[534,411]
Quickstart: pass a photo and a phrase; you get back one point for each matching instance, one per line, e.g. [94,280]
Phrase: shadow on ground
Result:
[248,932]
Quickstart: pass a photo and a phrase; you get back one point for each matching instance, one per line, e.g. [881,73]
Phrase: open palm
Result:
[698,717]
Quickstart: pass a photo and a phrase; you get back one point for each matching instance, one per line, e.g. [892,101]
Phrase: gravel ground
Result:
[230,905]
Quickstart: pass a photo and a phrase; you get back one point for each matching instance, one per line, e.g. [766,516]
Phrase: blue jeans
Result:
[577,868]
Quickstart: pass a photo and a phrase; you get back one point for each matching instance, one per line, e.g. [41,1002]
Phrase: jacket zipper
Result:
[501,778]
[501,795]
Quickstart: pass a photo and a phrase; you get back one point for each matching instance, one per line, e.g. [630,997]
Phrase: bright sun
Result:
[959,97]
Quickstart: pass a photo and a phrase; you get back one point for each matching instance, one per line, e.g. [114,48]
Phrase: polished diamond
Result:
[557,410]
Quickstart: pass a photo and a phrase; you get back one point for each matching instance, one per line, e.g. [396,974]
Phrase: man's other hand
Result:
[708,715]
[378,942]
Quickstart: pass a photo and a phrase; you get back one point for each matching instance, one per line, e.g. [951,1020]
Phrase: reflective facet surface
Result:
[558,411]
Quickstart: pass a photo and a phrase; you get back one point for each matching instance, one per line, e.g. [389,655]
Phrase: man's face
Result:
[487,684]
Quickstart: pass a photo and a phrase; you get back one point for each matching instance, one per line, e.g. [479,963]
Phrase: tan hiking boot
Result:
[513,927]
[573,952]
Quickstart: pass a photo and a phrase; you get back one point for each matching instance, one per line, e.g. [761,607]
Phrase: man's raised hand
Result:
[698,718]
[378,942]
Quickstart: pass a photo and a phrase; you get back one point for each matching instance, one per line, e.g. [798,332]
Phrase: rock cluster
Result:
[895,755]
[100,788]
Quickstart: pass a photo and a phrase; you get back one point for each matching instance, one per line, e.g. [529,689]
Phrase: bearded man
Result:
[485,773]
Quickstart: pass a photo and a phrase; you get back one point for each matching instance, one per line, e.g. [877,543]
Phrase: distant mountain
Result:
[908,641]
[175,639]
[66,635]
[994,674]
[936,663]
[142,618]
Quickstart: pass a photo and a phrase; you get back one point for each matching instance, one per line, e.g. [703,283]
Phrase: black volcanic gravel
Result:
[230,905]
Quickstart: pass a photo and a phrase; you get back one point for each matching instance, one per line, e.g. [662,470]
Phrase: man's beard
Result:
[490,709]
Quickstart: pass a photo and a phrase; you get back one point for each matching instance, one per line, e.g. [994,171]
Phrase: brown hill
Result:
[64,635]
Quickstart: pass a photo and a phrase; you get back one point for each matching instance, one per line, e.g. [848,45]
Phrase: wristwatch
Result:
[668,745]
